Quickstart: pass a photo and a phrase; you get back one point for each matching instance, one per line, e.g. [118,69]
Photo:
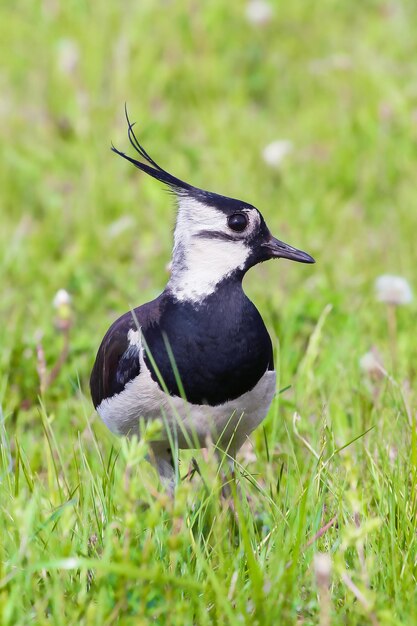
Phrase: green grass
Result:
[87,535]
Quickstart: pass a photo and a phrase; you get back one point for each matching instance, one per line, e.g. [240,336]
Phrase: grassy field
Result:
[87,535]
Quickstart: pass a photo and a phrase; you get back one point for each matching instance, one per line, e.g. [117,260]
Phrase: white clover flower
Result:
[67,56]
[393,289]
[258,12]
[274,153]
[61,298]
[371,364]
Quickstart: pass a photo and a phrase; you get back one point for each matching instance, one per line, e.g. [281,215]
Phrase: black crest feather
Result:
[151,167]
[176,185]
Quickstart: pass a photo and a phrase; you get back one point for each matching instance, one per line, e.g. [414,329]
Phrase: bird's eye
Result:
[237,222]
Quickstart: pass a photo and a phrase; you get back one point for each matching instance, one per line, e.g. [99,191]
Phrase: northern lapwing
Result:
[199,356]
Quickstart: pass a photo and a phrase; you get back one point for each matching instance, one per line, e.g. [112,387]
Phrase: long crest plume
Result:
[151,167]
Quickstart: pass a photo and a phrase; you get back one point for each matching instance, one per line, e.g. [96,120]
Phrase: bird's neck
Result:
[199,267]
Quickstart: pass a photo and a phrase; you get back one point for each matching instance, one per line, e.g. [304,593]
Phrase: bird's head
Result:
[215,237]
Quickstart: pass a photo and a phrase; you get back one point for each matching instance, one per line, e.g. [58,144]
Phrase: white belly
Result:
[191,425]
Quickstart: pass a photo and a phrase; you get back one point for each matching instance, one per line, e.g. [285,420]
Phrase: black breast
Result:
[215,351]
[221,348]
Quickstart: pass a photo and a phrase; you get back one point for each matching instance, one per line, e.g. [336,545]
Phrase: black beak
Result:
[277,249]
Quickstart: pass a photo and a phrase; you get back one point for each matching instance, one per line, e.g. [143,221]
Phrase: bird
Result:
[199,357]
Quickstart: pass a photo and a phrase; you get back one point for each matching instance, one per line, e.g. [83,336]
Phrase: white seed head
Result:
[392,453]
[119,226]
[275,152]
[322,568]
[62,298]
[258,12]
[64,315]
[338,61]
[371,364]
[67,56]
[393,289]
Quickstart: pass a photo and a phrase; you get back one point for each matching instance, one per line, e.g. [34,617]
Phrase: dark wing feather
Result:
[117,361]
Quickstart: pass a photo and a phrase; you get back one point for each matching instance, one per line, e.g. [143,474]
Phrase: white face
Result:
[200,261]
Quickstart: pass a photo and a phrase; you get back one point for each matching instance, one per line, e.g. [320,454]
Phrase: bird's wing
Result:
[118,358]
[117,361]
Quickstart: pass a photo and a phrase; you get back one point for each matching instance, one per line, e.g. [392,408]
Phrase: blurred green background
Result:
[210,85]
